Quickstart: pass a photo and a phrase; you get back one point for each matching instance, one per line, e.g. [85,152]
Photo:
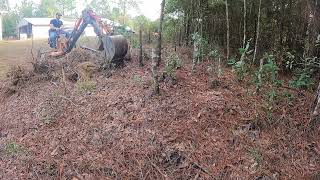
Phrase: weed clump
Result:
[86,86]
[172,64]
[12,148]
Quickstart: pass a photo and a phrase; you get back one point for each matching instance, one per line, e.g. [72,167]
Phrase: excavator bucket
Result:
[115,48]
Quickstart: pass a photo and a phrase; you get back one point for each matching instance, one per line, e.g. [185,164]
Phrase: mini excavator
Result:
[112,46]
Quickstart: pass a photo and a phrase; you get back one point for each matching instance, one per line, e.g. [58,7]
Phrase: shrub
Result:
[86,86]
[302,80]
[173,62]
[12,148]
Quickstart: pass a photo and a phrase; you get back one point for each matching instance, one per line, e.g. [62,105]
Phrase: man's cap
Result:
[59,14]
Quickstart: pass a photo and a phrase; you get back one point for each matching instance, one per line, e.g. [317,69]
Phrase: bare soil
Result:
[115,128]
[18,53]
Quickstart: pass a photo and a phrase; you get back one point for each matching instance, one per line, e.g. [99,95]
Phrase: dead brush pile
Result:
[75,66]
[17,78]
[78,64]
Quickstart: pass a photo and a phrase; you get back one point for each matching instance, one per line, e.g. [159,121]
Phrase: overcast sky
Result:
[149,8]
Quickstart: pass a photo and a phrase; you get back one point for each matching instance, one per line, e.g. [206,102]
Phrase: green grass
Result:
[137,79]
[12,148]
[86,86]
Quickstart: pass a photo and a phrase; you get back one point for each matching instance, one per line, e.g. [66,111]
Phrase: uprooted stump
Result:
[79,64]
[17,77]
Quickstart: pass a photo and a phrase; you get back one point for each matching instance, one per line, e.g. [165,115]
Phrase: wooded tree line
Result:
[289,29]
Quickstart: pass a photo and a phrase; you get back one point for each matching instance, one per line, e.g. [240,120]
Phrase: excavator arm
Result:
[88,17]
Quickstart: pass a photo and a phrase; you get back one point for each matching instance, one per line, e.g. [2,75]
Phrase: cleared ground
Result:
[18,53]
[13,53]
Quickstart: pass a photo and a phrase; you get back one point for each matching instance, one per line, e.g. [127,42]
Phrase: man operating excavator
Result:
[55,27]
[66,43]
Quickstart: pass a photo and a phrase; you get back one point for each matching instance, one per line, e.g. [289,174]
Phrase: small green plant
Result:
[267,76]
[137,79]
[258,158]
[271,96]
[86,86]
[215,65]
[231,61]
[302,80]
[303,77]
[173,62]
[290,59]
[12,148]
[268,73]
[240,66]
[256,154]
[200,49]
[289,97]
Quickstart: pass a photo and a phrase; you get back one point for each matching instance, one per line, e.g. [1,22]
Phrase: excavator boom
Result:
[88,17]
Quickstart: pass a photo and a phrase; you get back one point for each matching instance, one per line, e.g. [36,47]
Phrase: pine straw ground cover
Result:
[117,130]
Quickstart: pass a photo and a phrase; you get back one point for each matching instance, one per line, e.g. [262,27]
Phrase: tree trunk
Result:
[156,89]
[244,23]
[315,110]
[257,35]
[180,36]
[1,27]
[159,43]
[260,75]
[141,50]
[228,30]
[307,38]
[282,25]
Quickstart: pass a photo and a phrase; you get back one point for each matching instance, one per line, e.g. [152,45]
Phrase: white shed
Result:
[38,27]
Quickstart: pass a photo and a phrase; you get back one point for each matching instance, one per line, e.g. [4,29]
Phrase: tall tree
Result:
[47,8]
[159,42]
[140,47]
[125,5]
[258,33]
[228,30]
[26,9]
[115,14]
[10,22]
[244,23]
[67,7]
[102,7]
[4,5]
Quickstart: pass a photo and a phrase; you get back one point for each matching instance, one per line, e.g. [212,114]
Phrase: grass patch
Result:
[86,86]
[12,149]
[256,154]
[137,79]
